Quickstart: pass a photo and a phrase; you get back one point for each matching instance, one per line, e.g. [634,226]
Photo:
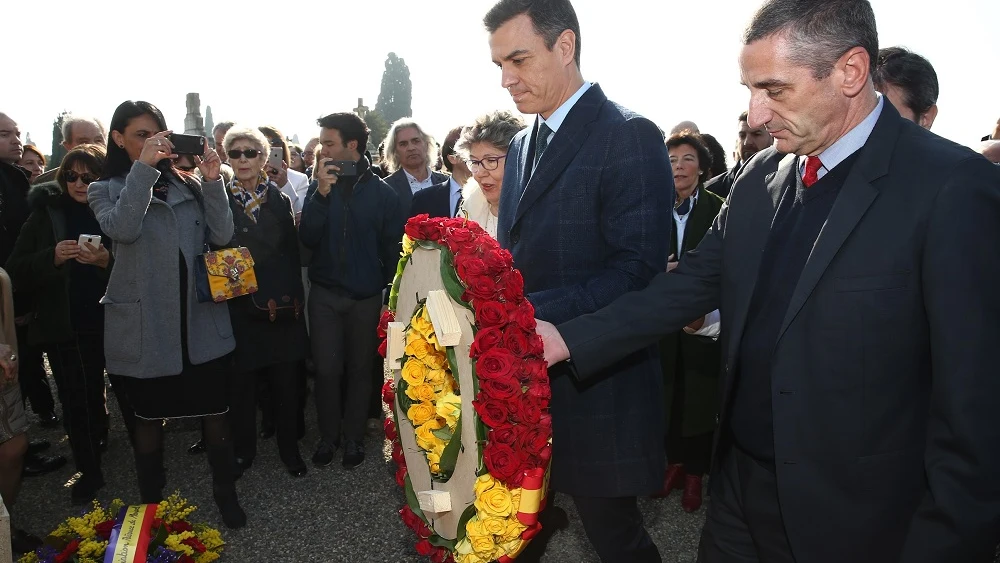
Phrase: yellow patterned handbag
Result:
[225,274]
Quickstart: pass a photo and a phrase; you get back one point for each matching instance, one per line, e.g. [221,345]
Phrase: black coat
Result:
[32,265]
[14,212]
[398,182]
[434,201]
[883,378]
[274,244]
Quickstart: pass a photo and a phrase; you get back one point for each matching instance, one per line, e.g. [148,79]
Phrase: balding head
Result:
[10,140]
[77,130]
[684,126]
[991,150]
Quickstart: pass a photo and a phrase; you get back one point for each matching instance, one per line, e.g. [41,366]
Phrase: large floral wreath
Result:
[511,390]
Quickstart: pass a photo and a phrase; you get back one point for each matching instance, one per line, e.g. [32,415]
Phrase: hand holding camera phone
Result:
[187,144]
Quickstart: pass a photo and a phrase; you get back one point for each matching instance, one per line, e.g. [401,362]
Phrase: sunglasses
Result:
[249,153]
[71,177]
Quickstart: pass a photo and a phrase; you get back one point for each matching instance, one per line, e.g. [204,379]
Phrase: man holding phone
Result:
[353,222]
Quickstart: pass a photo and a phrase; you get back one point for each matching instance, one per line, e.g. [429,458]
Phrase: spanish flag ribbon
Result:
[532,493]
[130,537]
[509,558]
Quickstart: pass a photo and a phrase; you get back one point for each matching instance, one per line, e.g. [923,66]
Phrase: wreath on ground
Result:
[487,466]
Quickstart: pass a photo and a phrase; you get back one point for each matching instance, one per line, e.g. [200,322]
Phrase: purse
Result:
[224,274]
[286,308]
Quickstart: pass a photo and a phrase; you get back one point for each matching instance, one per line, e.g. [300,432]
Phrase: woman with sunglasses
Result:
[69,279]
[172,350]
[484,148]
[270,325]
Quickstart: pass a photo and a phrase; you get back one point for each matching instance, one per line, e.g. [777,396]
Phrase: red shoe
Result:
[691,500]
[672,480]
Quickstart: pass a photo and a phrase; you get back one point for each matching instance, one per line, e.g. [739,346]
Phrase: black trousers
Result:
[78,368]
[614,527]
[694,451]
[31,375]
[744,522]
[282,383]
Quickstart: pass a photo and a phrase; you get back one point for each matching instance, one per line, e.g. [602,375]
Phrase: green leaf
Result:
[404,401]
[450,454]
[160,538]
[453,366]
[470,511]
[449,277]
[411,499]
[441,542]
[394,292]
[443,433]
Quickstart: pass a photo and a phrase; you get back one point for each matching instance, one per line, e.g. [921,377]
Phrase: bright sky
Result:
[287,64]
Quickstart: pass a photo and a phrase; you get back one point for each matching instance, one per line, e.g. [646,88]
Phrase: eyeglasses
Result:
[249,153]
[71,177]
[488,163]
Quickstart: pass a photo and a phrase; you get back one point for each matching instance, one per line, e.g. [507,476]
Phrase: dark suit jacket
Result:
[398,182]
[722,184]
[884,376]
[434,201]
[586,228]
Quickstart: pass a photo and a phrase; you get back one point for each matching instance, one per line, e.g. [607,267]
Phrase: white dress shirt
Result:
[417,185]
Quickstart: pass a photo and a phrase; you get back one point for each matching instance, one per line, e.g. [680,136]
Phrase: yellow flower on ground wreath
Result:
[414,372]
[420,413]
[422,392]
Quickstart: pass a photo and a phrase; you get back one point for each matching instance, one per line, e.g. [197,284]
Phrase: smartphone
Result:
[92,240]
[347,167]
[188,144]
[275,158]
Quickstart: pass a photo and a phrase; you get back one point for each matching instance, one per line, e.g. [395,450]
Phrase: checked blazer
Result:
[586,227]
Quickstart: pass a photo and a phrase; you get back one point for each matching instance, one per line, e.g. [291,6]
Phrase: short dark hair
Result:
[718,164]
[743,118]
[350,126]
[118,162]
[91,156]
[820,31]
[549,17]
[909,72]
[449,147]
[697,142]
[273,135]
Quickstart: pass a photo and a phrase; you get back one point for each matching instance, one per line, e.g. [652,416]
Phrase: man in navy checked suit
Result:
[585,225]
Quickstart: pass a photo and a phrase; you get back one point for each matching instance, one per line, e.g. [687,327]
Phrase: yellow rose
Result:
[495,526]
[419,413]
[419,348]
[414,372]
[483,484]
[435,377]
[513,529]
[495,502]
[426,439]
[407,245]
[482,541]
[448,408]
[513,548]
[422,325]
[421,393]
[436,360]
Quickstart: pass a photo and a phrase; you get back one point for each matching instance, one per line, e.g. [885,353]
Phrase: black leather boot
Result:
[221,460]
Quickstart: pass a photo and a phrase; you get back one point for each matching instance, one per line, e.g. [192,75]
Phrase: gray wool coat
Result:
[142,321]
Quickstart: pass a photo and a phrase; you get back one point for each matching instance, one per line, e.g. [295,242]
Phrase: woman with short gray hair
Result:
[484,148]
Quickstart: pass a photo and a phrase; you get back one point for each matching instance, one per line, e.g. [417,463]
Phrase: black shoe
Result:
[48,420]
[232,513]
[85,489]
[23,542]
[324,455]
[197,448]
[41,464]
[36,447]
[354,454]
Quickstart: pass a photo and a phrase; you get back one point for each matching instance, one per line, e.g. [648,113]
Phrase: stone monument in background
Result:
[193,124]
[209,125]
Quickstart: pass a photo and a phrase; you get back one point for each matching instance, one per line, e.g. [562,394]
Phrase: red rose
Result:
[502,462]
[539,393]
[469,266]
[389,392]
[457,238]
[533,439]
[546,420]
[528,412]
[536,346]
[410,518]
[430,230]
[503,388]
[515,340]
[441,555]
[545,455]
[383,348]
[480,287]
[496,363]
[390,429]
[195,544]
[424,547]
[104,529]
[180,526]
[490,313]
[186,559]
[401,475]
[413,226]
[534,371]
[397,453]
[486,339]
[493,413]
[383,323]
[453,223]
[498,259]
[524,316]
[68,552]
[513,285]
[504,434]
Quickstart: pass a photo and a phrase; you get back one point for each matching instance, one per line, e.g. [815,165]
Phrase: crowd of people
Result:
[593,201]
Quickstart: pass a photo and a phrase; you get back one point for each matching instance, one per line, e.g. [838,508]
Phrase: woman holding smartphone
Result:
[171,349]
[69,278]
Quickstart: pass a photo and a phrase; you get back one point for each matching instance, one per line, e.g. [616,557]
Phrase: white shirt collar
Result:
[849,144]
[556,119]
[418,184]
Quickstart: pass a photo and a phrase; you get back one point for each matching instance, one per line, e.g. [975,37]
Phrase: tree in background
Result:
[58,150]
[396,93]
[378,127]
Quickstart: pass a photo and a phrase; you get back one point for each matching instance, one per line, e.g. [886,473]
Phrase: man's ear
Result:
[566,44]
[854,66]
[927,119]
[352,145]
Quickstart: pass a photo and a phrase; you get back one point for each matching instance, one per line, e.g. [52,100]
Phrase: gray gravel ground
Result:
[330,515]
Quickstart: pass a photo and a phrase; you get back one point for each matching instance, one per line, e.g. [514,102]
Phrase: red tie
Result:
[813,165]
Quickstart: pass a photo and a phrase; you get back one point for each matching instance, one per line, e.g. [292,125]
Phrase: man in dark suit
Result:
[860,317]
[444,199]
[409,153]
[751,140]
[583,209]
